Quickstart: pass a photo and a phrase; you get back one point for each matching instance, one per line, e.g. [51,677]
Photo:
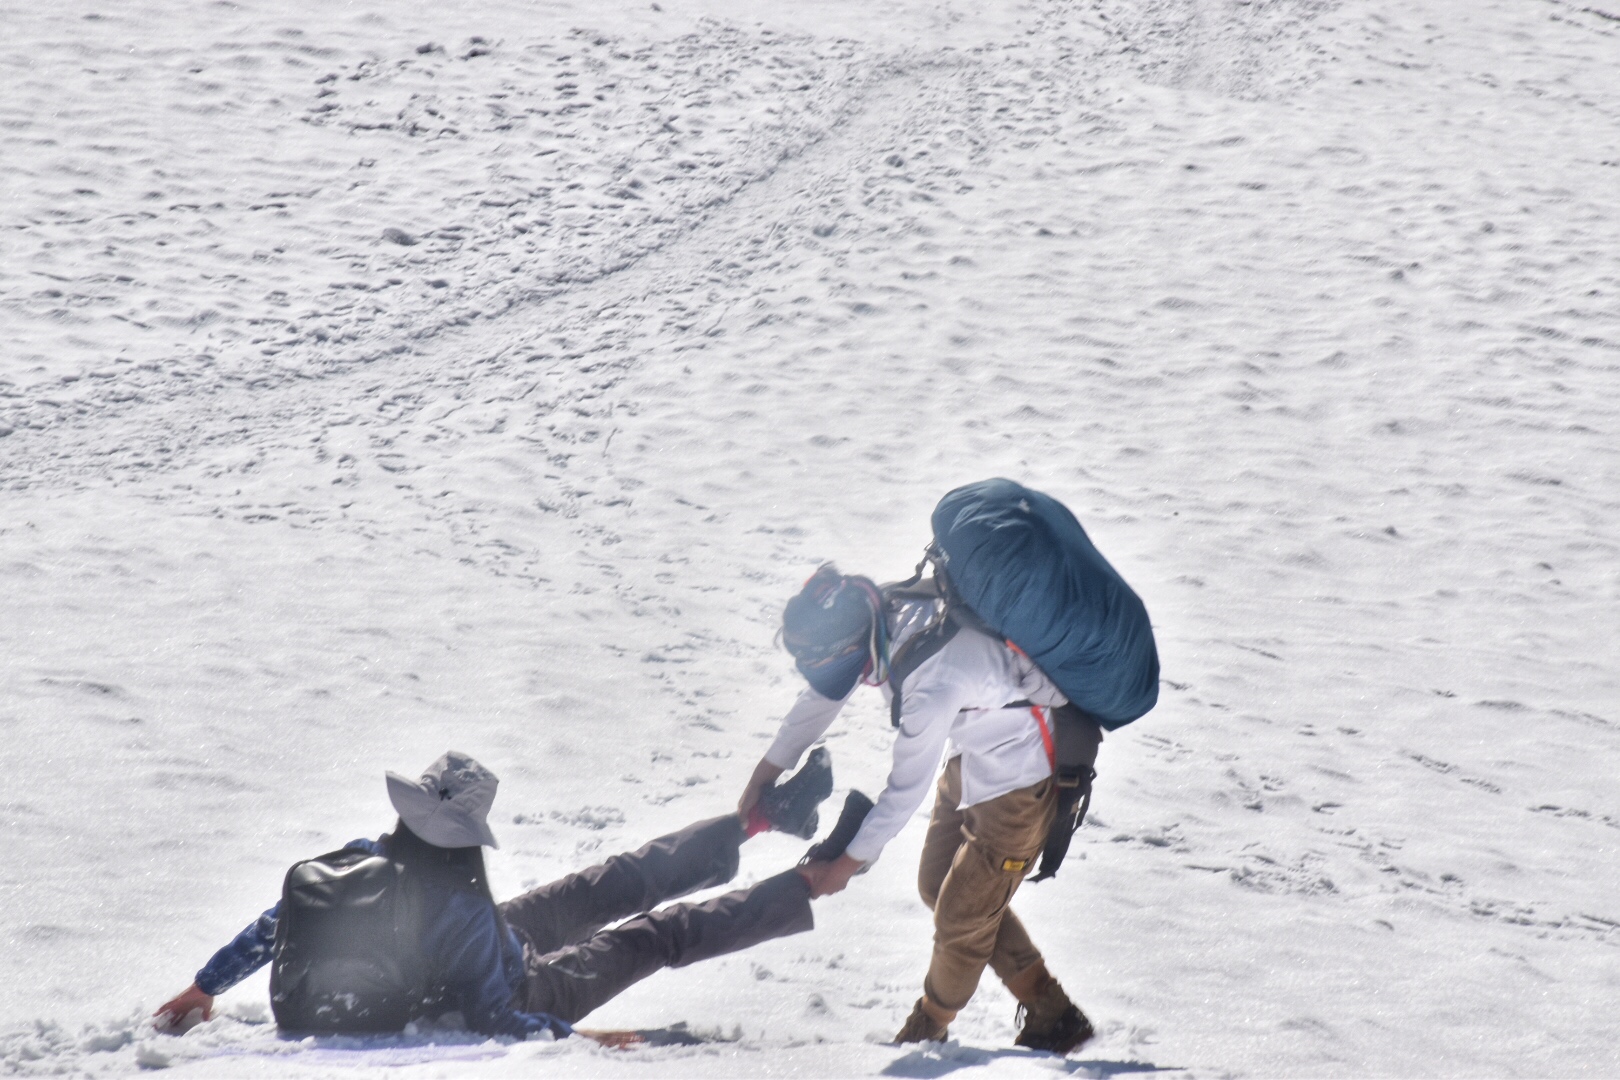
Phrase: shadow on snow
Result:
[941,1060]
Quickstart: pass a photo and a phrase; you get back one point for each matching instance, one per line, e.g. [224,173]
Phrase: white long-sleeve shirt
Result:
[951,705]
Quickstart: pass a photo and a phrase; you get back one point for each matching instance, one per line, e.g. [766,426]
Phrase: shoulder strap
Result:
[922,645]
[900,591]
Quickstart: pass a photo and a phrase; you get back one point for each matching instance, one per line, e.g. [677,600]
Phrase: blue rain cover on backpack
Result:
[1022,563]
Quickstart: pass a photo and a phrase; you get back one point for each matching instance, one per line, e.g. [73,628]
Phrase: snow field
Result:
[1307,310]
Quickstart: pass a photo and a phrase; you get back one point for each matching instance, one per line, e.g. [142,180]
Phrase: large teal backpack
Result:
[1025,569]
[1015,564]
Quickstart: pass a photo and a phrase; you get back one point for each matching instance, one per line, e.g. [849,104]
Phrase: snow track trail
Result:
[376,382]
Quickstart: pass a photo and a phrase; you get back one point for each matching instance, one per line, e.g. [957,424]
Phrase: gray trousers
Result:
[573,965]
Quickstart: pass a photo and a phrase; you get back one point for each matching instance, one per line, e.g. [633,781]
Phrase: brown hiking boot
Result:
[927,1023]
[1047,1019]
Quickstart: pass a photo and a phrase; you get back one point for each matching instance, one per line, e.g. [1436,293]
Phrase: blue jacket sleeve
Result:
[250,950]
[476,971]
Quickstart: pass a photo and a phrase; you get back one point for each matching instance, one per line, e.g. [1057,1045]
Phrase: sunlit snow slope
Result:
[486,375]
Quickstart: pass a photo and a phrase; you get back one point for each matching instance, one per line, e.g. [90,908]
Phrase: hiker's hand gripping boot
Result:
[790,806]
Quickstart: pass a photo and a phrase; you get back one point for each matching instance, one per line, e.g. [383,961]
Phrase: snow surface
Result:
[381,378]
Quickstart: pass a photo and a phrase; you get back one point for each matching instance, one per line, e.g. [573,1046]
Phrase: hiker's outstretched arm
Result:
[806,722]
[248,952]
[933,695]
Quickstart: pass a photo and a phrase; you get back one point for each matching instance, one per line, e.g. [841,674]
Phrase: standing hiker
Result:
[388,931]
[1020,751]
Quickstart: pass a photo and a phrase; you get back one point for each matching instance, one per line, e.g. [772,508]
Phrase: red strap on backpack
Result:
[1046,735]
[1040,718]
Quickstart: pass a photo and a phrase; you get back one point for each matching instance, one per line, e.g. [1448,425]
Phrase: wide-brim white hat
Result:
[449,805]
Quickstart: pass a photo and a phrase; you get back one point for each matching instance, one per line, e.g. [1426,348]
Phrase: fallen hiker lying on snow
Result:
[402,928]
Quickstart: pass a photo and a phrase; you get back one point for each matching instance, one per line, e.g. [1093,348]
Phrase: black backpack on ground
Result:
[349,952]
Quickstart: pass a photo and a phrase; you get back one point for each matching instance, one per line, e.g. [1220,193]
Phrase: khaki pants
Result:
[972,862]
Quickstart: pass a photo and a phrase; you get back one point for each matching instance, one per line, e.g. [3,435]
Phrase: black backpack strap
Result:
[900,591]
[922,645]
[1077,737]
[1073,802]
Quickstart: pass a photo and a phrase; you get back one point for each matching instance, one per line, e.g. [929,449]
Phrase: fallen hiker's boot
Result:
[790,806]
[1047,1019]
[856,807]
[927,1023]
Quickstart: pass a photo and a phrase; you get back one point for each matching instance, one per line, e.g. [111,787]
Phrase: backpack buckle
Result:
[1073,776]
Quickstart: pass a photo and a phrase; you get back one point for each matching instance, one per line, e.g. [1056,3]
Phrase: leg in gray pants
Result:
[573,965]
